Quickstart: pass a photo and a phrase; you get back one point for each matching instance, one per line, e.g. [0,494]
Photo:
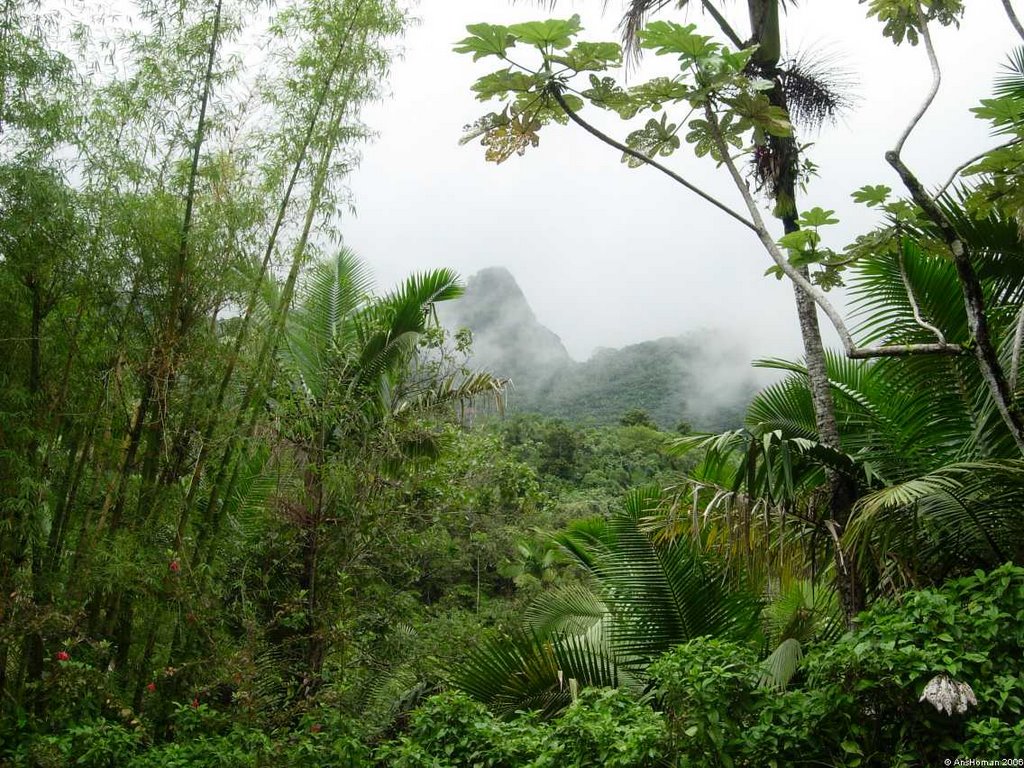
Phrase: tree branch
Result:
[974,300]
[970,285]
[724,25]
[1013,18]
[970,161]
[783,263]
[936,80]
[553,89]
[913,300]
[1018,342]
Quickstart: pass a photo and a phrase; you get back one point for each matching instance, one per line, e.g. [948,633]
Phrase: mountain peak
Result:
[670,378]
[507,338]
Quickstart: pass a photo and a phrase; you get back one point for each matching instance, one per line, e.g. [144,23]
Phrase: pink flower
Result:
[175,566]
[151,687]
[63,656]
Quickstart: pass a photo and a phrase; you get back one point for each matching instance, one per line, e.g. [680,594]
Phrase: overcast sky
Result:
[609,255]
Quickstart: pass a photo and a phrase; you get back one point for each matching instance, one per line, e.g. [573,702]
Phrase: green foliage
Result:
[967,630]
[553,33]
[858,702]
[601,728]
[646,596]
[636,417]
[997,174]
[857,705]
[712,77]
[709,690]
[902,18]
[243,521]
[486,40]
[657,137]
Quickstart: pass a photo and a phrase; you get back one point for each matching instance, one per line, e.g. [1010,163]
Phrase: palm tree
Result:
[642,596]
[937,471]
[355,387]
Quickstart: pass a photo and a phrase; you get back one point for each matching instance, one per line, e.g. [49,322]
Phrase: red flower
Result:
[195,703]
[151,687]
[63,656]
[175,566]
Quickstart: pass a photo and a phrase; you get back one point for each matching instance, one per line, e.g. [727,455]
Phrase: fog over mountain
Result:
[703,378]
[579,229]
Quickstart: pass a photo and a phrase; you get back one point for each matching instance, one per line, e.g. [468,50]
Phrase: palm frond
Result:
[959,516]
[324,320]
[573,609]
[1010,85]
[818,88]
[524,671]
[782,664]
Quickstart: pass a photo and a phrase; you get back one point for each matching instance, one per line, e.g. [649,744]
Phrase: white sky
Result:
[608,255]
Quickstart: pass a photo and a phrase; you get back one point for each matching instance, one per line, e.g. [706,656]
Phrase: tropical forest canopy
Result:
[257,510]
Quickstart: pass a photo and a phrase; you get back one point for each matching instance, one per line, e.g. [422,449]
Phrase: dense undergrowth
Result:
[859,701]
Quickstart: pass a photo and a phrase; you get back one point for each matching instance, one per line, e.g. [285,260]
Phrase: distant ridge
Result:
[673,379]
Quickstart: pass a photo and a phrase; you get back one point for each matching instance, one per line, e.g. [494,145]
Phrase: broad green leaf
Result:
[851,747]
[827,278]
[737,60]
[660,91]
[654,139]
[900,21]
[545,108]
[500,83]
[553,33]
[668,37]
[513,137]
[800,240]
[1006,114]
[818,217]
[607,94]
[872,195]
[590,57]
[701,136]
[902,210]
[486,40]
[761,113]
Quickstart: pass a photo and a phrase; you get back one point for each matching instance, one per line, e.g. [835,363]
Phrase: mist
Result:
[610,256]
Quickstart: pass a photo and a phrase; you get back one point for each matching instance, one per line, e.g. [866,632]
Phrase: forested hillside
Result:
[257,509]
[676,381]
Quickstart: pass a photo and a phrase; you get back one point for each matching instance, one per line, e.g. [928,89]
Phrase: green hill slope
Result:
[673,379]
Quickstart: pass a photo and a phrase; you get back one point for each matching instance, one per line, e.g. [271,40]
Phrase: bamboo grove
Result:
[162,202]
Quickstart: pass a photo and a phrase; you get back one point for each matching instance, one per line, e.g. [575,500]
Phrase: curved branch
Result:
[1013,18]
[794,274]
[970,161]
[933,60]
[970,284]
[974,301]
[913,300]
[553,89]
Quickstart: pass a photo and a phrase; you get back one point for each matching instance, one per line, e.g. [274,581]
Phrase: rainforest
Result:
[276,492]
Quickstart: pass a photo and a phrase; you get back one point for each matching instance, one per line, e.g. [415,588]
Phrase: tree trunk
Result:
[842,491]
